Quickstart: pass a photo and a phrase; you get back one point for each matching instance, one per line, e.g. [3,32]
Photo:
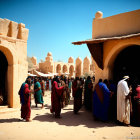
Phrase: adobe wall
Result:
[117,25]
[111,50]
[13,44]
[74,69]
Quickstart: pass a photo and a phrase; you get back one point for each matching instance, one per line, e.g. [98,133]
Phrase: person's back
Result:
[123,103]
[122,88]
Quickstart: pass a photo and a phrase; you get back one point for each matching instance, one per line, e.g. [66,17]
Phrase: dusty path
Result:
[70,127]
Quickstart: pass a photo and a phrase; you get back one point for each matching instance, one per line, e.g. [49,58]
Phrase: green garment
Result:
[38,94]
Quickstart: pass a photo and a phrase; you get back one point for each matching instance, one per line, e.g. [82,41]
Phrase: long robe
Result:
[56,99]
[77,94]
[113,102]
[123,104]
[38,94]
[25,101]
[88,94]
[101,99]
[42,83]
[67,99]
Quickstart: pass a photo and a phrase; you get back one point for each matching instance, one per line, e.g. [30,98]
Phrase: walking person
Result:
[123,101]
[56,95]
[38,93]
[25,101]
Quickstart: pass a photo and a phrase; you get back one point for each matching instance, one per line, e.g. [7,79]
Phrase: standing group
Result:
[121,102]
[108,101]
[25,97]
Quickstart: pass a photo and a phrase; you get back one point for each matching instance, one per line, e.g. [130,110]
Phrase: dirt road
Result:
[70,127]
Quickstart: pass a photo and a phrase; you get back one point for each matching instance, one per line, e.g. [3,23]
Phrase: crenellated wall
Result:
[13,29]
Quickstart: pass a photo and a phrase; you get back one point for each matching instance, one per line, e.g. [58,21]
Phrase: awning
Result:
[32,75]
[101,40]
[96,45]
[66,73]
[42,74]
[53,73]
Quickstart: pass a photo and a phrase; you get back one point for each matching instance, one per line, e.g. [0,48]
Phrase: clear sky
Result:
[54,24]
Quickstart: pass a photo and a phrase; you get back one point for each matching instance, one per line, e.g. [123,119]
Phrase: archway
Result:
[58,68]
[64,68]
[127,63]
[71,70]
[3,79]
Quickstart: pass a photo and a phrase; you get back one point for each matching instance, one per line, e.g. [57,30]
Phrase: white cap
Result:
[126,77]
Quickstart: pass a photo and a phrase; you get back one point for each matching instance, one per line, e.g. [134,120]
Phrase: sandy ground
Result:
[70,127]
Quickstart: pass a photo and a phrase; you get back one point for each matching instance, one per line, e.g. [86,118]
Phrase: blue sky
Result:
[54,24]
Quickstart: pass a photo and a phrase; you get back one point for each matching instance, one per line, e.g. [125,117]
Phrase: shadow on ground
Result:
[9,120]
[70,119]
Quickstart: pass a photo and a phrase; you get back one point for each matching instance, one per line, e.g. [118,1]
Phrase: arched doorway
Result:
[64,68]
[127,63]
[71,70]
[58,68]
[3,79]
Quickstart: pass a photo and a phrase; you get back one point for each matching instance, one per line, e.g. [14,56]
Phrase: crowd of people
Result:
[106,100]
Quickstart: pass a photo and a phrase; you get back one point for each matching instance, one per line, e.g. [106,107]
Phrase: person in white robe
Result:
[123,101]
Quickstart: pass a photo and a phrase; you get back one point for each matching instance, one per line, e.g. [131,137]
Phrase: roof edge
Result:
[99,40]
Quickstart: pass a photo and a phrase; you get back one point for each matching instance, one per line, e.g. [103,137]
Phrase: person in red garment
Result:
[56,95]
[137,98]
[25,101]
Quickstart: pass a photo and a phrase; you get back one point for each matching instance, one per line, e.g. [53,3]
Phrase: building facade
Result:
[79,68]
[13,60]
[115,45]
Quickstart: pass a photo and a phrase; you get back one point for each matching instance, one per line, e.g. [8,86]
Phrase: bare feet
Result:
[28,120]
[42,106]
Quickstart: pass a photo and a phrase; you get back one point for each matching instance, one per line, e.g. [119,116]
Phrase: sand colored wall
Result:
[111,50]
[13,43]
[117,25]
[49,66]
[86,65]
[71,60]
[34,60]
[121,24]
[78,67]
[92,66]
[61,68]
